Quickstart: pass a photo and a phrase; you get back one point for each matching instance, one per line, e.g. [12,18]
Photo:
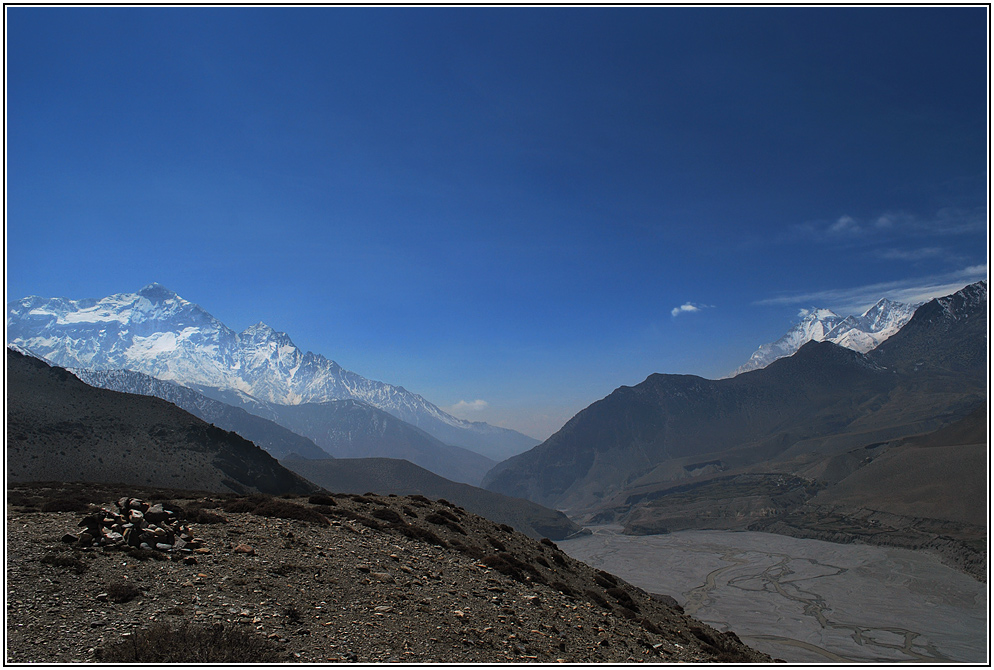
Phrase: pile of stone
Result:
[139,524]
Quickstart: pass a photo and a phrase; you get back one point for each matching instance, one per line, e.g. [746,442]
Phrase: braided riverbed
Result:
[805,600]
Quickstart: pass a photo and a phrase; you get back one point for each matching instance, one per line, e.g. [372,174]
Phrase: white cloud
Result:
[472,406]
[685,307]
[944,222]
[845,225]
[857,299]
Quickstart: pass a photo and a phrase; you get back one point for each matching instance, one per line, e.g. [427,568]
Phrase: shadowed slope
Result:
[941,475]
[387,475]
[59,428]
[353,429]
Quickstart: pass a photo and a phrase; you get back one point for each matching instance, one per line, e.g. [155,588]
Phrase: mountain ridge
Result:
[61,429]
[823,401]
[156,332]
[860,333]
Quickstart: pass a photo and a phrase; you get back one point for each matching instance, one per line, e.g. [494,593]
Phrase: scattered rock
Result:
[328,595]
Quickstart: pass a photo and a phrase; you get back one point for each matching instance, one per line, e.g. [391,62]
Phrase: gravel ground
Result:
[384,579]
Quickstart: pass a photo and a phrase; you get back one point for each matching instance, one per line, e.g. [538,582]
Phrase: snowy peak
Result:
[864,332]
[156,332]
[814,325]
[156,292]
[861,333]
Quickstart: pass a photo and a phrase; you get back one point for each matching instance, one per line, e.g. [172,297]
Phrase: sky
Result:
[511,211]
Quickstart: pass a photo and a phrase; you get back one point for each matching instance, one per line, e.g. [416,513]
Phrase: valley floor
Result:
[805,600]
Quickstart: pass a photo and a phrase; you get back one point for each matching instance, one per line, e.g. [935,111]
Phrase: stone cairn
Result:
[136,524]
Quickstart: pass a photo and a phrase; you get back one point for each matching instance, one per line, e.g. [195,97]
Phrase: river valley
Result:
[805,601]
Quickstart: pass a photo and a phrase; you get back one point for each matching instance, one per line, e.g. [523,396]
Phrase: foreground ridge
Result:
[366,579]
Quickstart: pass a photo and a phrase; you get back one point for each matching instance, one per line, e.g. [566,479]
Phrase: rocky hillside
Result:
[389,475]
[60,429]
[330,578]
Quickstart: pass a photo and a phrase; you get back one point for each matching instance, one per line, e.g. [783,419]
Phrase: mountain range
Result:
[158,333]
[336,428]
[860,333]
[680,451]
[60,429]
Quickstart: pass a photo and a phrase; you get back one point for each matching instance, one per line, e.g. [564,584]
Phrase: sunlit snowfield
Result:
[805,600]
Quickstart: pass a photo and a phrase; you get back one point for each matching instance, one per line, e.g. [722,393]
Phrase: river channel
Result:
[805,601]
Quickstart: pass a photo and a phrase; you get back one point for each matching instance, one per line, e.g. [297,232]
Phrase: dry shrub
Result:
[281,509]
[503,566]
[66,504]
[470,550]
[164,643]
[723,645]
[204,516]
[443,520]
[624,598]
[447,514]
[74,562]
[262,505]
[122,592]
[146,554]
[609,577]
[284,569]
[240,506]
[322,500]
[651,627]
[418,533]
[598,599]
[387,514]
[603,583]
[628,614]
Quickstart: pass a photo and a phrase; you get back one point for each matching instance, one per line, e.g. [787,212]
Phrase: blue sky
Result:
[503,209]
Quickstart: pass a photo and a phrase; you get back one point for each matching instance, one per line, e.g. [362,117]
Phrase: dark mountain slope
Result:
[60,429]
[668,417]
[345,428]
[821,402]
[272,437]
[391,476]
[353,429]
[945,335]
[914,476]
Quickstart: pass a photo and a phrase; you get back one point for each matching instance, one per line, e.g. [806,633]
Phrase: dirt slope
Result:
[374,579]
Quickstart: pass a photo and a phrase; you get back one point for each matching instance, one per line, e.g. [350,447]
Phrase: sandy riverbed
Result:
[805,600]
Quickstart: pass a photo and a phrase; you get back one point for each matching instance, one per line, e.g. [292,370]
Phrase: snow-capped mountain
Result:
[860,333]
[156,332]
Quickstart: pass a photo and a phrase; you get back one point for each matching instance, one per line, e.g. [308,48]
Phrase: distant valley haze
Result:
[510,212]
